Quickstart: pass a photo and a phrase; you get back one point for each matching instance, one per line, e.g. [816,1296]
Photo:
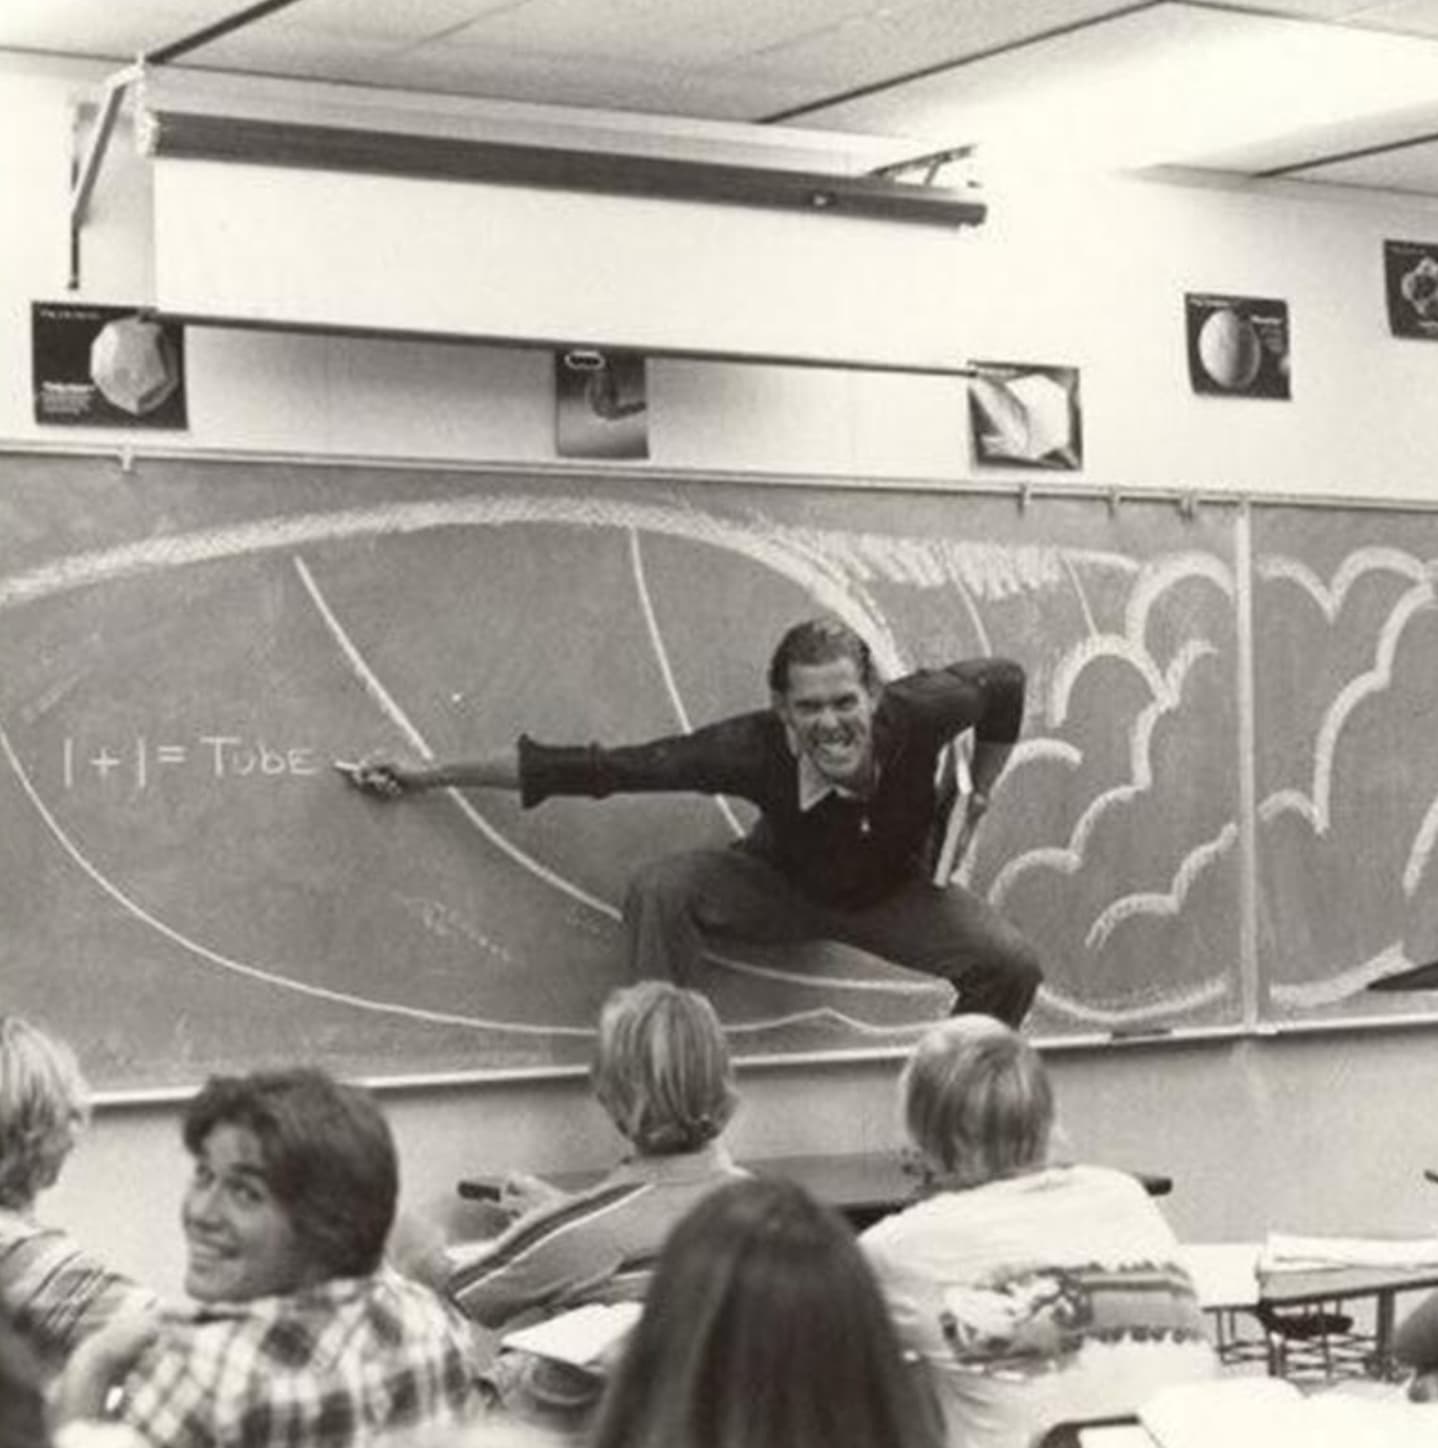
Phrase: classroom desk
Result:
[1226,1289]
[864,1186]
[1334,1286]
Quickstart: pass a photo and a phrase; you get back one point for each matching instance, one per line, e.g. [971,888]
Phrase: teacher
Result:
[842,768]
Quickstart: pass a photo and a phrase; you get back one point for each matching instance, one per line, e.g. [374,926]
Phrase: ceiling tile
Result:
[605,83]
[295,53]
[918,35]
[1409,17]
[1335,10]
[396,21]
[103,27]
[1414,168]
[696,32]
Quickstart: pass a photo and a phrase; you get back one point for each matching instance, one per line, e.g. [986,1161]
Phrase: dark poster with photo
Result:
[1238,346]
[1025,415]
[1410,280]
[98,366]
[601,404]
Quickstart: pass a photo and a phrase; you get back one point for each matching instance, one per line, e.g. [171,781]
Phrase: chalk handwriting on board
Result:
[141,761]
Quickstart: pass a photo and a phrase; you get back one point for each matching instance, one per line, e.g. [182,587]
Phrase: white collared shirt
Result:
[815,785]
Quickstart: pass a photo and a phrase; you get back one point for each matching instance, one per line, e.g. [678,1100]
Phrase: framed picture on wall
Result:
[601,404]
[1025,415]
[1238,346]
[1410,282]
[106,366]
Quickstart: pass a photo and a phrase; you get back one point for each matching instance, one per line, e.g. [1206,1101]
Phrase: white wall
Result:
[1326,1132]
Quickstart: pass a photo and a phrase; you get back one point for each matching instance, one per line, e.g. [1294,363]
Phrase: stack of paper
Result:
[1272,1413]
[588,1337]
[1283,1252]
[1225,1274]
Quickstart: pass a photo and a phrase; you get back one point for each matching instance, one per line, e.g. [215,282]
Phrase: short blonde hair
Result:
[44,1104]
[977,1101]
[662,1068]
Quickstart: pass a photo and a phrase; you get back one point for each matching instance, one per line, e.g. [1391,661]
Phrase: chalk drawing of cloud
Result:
[1131,646]
[1315,805]
[1069,858]
[1202,994]
[1343,985]
[1421,851]
[1026,751]
[1171,902]
[1330,597]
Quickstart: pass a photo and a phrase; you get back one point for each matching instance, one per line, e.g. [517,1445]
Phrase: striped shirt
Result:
[599,1245]
[54,1293]
[325,1367]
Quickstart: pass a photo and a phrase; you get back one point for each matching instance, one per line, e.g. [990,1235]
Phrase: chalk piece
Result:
[1140,1033]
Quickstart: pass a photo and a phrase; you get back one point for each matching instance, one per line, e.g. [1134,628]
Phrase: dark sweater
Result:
[841,851]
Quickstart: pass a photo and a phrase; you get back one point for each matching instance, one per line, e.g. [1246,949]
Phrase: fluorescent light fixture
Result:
[1174,84]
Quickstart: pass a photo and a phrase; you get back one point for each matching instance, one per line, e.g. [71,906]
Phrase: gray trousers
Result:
[675,903]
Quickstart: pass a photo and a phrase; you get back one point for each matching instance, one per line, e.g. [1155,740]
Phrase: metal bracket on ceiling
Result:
[924,170]
[88,171]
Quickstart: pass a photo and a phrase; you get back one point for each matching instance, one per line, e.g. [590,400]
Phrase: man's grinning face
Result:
[830,714]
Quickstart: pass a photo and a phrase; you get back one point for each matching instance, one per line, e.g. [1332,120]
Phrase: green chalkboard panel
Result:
[1346,781]
[187,885]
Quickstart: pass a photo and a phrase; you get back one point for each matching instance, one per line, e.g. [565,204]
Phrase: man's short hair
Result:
[328,1154]
[44,1104]
[977,1101]
[662,1068]
[820,641]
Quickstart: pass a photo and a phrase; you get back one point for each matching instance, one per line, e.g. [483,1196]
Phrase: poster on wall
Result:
[1410,280]
[1027,415]
[601,404]
[1238,346]
[105,366]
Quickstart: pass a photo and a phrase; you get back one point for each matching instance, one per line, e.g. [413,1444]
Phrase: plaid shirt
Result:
[325,1367]
[52,1292]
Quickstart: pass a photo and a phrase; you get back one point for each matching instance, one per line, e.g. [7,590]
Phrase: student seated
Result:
[52,1292]
[763,1328]
[1035,1292]
[301,1338]
[662,1073]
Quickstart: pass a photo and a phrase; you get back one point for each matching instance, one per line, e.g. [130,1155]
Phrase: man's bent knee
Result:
[1002,983]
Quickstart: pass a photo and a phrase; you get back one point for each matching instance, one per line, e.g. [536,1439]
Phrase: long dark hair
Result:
[763,1328]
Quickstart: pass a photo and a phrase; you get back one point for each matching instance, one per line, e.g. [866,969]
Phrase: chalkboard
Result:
[187,885]
[1346,757]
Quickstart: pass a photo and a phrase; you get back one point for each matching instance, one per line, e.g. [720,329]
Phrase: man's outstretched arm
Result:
[721,758]
[389,778]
